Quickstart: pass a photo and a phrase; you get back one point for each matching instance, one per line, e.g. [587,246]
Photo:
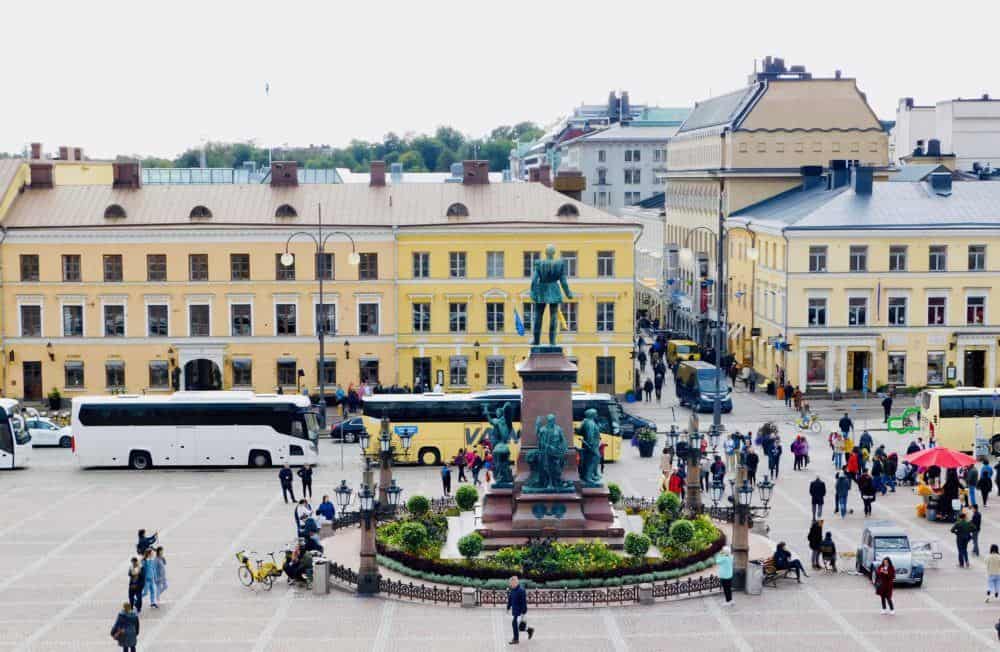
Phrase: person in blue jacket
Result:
[517,605]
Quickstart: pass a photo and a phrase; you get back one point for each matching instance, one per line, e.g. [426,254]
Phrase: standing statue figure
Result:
[590,449]
[501,434]
[548,284]
[548,460]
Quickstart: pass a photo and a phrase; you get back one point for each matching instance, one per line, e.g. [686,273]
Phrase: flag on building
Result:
[518,324]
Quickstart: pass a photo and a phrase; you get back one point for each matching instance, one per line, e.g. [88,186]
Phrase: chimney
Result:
[941,183]
[533,175]
[933,147]
[63,153]
[376,176]
[862,180]
[36,151]
[126,175]
[284,174]
[475,173]
[812,176]
[78,153]
[836,74]
[396,173]
[41,175]
[839,176]
[545,175]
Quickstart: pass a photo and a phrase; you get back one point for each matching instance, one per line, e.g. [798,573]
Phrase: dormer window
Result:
[285,210]
[200,212]
[457,210]
[568,210]
[114,211]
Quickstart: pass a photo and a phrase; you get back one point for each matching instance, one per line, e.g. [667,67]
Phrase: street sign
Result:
[405,430]
[864,382]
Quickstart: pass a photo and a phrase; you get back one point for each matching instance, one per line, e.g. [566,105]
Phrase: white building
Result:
[968,128]
[622,164]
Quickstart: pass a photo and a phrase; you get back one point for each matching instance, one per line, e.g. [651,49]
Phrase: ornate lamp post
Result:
[742,519]
[386,455]
[368,577]
[343,495]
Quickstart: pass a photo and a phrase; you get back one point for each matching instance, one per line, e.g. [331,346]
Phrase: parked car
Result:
[882,539]
[46,433]
[695,383]
[348,430]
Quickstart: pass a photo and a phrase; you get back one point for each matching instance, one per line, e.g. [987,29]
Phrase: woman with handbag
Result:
[885,577]
[126,628]
[867,489]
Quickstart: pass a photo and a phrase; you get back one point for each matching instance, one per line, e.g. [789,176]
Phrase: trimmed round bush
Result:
[466,497]
[681,531]
[637,545]
[413,536]
[669,503]
[615,493]
[470,545]
[418,505]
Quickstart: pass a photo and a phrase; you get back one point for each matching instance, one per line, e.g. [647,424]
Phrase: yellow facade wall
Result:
[83,173]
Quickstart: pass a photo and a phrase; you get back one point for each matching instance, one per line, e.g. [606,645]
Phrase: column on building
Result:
[831,367]
[872,366]
[960,363]
[803,368]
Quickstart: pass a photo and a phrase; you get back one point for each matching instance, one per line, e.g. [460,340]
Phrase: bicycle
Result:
[810,422]
[263,573]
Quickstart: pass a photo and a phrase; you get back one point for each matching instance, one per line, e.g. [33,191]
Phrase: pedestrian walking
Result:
[866,487]
[642,359]
[841,489]
[517,605]
[704,471]
[817,492]
[136,580]
[752,460]
[789,393]
[846,425]
[477,467]
[886,408]
[460,464]
[971,483]
[125,629]
[828,550]
[446,479]
[724,567]
[285,478]
[144,543]
[647,389]
[718,470]
[306,474]
[149,571]
[963,533]
[977,523]
[774,460]
[815,539]
[985,482]
[161,572]
[658,386]
[885,577]
[993,573]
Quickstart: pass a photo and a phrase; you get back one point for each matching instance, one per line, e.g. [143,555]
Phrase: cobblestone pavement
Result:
[66,536]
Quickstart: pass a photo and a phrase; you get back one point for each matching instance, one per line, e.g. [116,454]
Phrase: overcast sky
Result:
[155,78]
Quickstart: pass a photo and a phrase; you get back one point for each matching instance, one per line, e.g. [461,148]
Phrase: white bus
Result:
[194,429]
[15,441]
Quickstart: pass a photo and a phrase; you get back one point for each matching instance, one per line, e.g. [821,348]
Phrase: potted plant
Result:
[55,399]
[646,440]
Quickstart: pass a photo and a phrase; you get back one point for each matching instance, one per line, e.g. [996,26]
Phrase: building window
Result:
[528,308]
[73,371]
[602,156]
[632,156]
[657,155]
[494,371]
[817,312]
[114,374]
[29,267]
[602,176]
[114,321]
[857,311]
[324,267]
[326,318]
[494,264]
[159,374]
[31,321]
[368,268]
[897,258]
[570,313]
[494,317]
[529,259]
[605,263]
[456,264]
[897,311]
[421,318]
[72,319]
[285,319]
[935,367]
[632,198]
[975,310]
[458,370]
[239,267]
[859,258]
[421,264]
[241,319]
[938,259]
[458,317]
[71,268]
[816,368]
[977,258]
[156,267]
[897,369]
[198,267]
[112,268]
[199,320]
[368,319]
[287,376]
[605,316]
[569,262]
[328,371]
[157,320]
[633,176]
[283,272]
[936,311]
[817,258]
[242,372]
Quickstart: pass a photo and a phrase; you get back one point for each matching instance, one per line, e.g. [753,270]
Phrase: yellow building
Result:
[119,286]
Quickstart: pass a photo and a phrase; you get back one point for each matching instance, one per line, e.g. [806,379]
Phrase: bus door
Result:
[6,445]
[184,449]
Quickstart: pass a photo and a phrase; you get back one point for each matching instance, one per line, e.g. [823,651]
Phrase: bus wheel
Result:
[65,442]
[139,460]
[260,459]
[429,456]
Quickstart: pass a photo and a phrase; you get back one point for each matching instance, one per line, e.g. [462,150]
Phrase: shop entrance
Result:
[857,362]
[975,369]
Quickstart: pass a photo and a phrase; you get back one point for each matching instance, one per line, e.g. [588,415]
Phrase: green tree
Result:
[681,531]
[444,160]
[470,545]
[466,497]
[418,505]
[429,149]
[413,536]
[450,138]
[637,545]
[412,161]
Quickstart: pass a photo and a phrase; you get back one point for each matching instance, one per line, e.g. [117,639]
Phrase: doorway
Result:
[32,380]
[857,362]
[421,374]
[975,369]
[369,371]
[605,375]
[202,375]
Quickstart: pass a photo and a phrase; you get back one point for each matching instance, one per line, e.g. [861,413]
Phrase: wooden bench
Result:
[772,574]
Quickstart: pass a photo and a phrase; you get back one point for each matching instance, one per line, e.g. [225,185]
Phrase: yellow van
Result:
[680,351]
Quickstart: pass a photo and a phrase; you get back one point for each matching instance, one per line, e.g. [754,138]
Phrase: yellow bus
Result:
[442,424]
[959,416]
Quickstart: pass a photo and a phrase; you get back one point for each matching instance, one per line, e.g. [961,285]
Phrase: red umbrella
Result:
[945,458]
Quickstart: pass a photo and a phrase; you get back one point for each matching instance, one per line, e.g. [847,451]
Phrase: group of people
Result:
[652,357]
[286,480]
[147,575]
[477,460]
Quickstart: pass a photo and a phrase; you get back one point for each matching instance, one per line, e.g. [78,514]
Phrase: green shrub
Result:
[637,545]
[470,545]
[418,505]
[669,504]
[681,532]
[412,536]
[466,497]
[614,493]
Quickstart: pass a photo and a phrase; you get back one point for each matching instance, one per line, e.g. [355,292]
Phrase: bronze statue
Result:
[548,460]
[501,433]
[548,276]
[590,449]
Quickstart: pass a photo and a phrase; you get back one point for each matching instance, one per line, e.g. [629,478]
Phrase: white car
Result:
[45,433]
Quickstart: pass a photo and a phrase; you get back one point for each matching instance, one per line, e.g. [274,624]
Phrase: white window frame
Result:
[491,257]
[200,300]
[120,301]
[283,299]
[888,367]
[330,300]
[977,293]
[503,366]
[158,300]
[72,301]
[906,309]
[367,298]
[240,300]
[32,301]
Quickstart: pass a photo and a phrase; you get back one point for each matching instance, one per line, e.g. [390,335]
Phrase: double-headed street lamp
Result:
[370,509]
[690,452]
[322,320]
[741,515]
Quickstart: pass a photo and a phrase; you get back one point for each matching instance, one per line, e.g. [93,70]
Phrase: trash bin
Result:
[755,578]
[771,387]
[780,393]
[321,576]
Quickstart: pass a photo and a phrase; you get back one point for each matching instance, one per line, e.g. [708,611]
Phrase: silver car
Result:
[881,539]
[46,433]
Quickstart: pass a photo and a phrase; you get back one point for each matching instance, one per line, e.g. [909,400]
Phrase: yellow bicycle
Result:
[262,572]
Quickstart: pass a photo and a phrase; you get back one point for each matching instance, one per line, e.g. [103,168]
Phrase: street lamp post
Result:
[368,576]
[385,480]
[321,271]
[742,514]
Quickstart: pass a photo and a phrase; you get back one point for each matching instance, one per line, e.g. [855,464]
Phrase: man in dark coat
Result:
[285,478]
[306,473]
[817,491]
[517,605]
[126,628]
[886,408]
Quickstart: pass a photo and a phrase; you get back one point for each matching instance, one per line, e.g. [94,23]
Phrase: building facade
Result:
[968,128]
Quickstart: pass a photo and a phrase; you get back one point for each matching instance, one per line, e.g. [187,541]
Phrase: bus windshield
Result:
[312,425]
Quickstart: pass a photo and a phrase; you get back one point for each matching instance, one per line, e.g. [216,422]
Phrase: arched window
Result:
[200,211]
[285,210]
[568,210]
[114,210]
[457,210]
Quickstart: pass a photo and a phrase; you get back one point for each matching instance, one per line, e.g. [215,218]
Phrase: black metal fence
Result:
[687,588]
[639,503]
[563,597]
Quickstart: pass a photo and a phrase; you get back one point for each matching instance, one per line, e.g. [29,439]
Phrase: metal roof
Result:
[8,169]
[917,171]
[618,133]
[720,110]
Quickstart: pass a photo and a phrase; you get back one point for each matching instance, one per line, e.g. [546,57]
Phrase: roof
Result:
[409,177]
[670,115]
[8,170]
[917,171]
[631,134]
[346,205]
[655,201]
[720,110]
[883,526]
